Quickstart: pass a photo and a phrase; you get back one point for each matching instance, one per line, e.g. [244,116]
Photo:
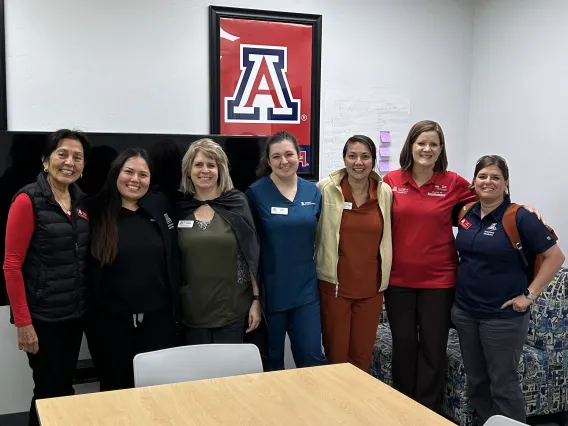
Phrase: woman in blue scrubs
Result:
[287,208]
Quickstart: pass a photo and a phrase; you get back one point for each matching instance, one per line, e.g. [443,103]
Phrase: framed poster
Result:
[265,77]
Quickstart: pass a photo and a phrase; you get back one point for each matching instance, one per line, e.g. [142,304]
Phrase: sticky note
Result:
[385,136]
[385,151]
[384,166]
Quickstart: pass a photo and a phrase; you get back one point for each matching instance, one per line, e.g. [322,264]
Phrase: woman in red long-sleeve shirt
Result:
[45,266]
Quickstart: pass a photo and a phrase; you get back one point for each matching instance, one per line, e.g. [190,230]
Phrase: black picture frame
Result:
[218,12]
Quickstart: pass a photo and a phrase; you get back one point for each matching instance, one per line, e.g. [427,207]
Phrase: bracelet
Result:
[255,297]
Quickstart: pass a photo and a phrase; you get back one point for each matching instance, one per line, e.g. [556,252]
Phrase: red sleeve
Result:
[19,231]
[463,194]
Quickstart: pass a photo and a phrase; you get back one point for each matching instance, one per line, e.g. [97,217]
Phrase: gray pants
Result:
[491,350]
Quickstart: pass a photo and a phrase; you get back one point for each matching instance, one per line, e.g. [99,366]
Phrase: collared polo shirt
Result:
[424,251]
[287,236]
[491,271]
[360,234]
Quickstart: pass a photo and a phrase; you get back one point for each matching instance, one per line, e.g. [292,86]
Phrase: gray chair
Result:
[502,421]
[196,362]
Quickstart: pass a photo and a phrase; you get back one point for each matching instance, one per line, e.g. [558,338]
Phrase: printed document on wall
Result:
[361,111]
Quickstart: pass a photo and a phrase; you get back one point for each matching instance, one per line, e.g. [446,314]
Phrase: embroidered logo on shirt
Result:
[490,231]
[308,203]
[400,190]
[169,221]
[82,214]
[436,194]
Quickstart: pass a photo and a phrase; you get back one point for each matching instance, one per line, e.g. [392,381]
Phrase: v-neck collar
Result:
[282,195]
[348,194]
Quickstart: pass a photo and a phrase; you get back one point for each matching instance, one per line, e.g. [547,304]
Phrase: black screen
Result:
[20,163]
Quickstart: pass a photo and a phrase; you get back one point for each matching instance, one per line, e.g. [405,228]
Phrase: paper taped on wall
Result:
[360,111]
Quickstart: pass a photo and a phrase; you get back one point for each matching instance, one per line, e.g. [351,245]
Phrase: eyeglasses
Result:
[493,156]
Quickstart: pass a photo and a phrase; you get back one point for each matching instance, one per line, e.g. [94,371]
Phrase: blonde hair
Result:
[210,149]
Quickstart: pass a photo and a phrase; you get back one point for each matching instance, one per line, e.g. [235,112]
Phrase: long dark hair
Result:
[406,158]
[264,168]
[104,209]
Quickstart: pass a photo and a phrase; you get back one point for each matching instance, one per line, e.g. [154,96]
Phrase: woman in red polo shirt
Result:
[353,254]
[425,261]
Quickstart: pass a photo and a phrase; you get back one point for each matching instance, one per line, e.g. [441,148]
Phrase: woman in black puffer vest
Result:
[45,266]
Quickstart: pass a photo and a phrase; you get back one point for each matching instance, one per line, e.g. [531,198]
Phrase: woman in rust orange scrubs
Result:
[354,254]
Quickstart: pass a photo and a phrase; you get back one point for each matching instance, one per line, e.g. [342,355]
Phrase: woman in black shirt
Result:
[136,270]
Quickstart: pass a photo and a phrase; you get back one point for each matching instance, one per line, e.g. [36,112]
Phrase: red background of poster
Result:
[298,40]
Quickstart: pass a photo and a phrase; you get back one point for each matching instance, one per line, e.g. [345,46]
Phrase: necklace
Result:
[66,207]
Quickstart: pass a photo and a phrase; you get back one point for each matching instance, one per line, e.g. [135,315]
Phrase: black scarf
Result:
[234,208]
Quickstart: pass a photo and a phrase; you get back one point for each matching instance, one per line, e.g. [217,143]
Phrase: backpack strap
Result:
[510,227]
[464,210]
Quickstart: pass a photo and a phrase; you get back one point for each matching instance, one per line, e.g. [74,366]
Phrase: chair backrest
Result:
[502,421]
[186,363]
[547,328]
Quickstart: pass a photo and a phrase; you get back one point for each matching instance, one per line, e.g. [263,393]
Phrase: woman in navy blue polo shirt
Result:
[494,292]
[286,208]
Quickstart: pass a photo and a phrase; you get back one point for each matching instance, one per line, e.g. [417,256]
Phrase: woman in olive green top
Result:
[219,248]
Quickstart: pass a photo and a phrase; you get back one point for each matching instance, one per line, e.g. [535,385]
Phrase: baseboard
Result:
[14,419]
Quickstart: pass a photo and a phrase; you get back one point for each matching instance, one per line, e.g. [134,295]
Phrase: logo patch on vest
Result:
[82,214]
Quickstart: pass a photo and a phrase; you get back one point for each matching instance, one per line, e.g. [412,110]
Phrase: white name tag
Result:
[347,206]
[279,210]
[185,224]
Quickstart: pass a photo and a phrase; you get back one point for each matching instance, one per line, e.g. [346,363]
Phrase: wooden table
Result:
[328,395]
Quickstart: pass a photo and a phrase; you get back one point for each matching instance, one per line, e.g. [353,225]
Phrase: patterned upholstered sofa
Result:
[544,364]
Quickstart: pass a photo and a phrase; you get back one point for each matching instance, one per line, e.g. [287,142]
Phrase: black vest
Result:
[55,269]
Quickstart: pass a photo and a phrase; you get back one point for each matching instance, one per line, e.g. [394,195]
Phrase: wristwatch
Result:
[255,297]
[530,295]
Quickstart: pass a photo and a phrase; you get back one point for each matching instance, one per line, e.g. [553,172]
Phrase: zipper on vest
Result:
[336,290]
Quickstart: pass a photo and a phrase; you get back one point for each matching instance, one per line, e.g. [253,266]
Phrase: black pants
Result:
[420,321]
[55,363]
[230,333]
[118,338]
[491,350]
[259,338]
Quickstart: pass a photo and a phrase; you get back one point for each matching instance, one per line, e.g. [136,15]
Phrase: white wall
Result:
[142,66]
[16,383]
[519,100]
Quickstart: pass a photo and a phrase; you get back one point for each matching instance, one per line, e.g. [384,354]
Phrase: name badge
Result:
[279,210]
[185,224]
[465,224]
[347,206]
